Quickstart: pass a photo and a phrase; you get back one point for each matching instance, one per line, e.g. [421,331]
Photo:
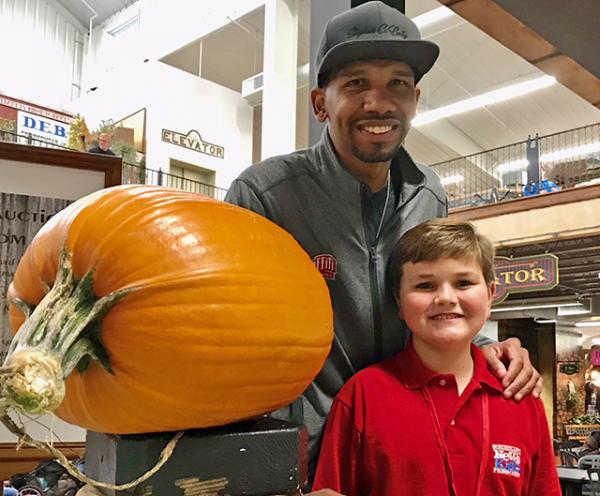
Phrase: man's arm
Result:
[241,194]
[591,444]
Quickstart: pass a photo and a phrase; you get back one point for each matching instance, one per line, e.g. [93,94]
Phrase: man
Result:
[591,445]
[348,199]
[103,146]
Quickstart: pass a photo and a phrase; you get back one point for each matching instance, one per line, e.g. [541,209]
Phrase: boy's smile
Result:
[444,302]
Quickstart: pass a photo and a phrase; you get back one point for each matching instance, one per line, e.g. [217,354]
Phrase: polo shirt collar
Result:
[414,374]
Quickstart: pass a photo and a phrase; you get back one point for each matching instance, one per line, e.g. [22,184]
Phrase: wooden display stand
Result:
[260,458]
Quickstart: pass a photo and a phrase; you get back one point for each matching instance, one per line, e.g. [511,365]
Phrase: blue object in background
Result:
[545,186]
[530,189]
[10,491]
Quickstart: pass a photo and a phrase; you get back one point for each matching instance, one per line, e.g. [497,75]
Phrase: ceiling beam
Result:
[66,13]
[500,19]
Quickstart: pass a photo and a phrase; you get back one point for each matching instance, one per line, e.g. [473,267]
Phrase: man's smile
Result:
[377,129]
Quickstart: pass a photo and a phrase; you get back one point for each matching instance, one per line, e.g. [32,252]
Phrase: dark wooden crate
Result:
[261,457]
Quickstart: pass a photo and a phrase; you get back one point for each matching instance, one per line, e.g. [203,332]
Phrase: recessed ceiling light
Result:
[489,98]
[535,307]
[587,324]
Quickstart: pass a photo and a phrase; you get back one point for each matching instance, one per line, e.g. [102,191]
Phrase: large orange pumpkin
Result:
[221,315]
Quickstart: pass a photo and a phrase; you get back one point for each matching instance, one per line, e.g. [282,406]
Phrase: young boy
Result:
[432,420]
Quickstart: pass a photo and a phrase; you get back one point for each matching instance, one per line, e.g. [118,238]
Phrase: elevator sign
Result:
[525,274]
[193,141]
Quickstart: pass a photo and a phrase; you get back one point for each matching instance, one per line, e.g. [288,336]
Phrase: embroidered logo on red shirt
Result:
[327,265]
[507,460]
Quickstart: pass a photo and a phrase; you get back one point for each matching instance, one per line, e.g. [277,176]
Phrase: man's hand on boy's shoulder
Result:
[520,378]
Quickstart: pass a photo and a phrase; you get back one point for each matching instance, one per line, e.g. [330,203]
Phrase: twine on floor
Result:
[26,439]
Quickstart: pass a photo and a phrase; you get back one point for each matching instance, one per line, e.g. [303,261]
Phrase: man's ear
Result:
[417,96]
[317,97]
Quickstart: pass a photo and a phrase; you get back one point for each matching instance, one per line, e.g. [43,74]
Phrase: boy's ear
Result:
[317,98]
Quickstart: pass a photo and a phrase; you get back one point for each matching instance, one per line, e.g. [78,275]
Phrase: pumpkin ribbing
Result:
[224,316]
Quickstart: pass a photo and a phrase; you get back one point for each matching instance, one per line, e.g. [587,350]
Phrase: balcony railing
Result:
[131,173]
[538,165]
[136,174]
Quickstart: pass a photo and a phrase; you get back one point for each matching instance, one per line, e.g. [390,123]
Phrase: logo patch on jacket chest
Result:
[327,265]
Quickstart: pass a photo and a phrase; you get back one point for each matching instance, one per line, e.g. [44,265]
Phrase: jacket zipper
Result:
[375,300]
[373,283]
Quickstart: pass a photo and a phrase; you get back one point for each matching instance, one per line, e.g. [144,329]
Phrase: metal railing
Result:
[130,173]
[540,164]
[23,139]
[572,158]
[136,174]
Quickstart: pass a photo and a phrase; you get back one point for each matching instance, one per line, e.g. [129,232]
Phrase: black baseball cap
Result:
[371,31]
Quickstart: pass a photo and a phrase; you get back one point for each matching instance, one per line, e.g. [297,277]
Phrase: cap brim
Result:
[420,55]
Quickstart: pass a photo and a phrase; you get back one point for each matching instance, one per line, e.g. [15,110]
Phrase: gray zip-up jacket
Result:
[313,197]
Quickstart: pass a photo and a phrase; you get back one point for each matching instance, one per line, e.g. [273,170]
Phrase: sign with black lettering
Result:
[193,141]
[525,274]
[42,128]
[16,104]
[21,217]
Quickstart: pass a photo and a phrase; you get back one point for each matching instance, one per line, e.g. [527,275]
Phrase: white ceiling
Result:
[470,63]
[102,9]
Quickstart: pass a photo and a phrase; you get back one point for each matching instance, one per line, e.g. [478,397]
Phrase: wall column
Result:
[279,78]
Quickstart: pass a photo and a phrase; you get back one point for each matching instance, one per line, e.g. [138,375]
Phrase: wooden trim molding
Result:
[25,459]
[110,166]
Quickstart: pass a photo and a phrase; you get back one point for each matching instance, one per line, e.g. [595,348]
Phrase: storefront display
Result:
[35,122]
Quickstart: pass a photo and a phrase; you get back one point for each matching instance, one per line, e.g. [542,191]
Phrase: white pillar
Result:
[279,77]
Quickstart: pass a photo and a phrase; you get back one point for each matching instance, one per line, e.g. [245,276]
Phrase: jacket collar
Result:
[406,175]
[415,375]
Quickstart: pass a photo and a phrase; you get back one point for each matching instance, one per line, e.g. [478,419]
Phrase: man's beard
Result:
[377,156]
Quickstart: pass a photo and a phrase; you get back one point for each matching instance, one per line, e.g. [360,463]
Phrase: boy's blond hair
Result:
[442,238]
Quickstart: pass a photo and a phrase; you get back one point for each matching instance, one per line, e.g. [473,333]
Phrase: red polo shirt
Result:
[398,428]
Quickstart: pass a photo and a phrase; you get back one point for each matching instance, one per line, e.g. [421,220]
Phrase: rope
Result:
[26,439]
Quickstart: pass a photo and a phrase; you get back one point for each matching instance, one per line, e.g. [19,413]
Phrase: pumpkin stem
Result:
[60,334]
[34,382]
